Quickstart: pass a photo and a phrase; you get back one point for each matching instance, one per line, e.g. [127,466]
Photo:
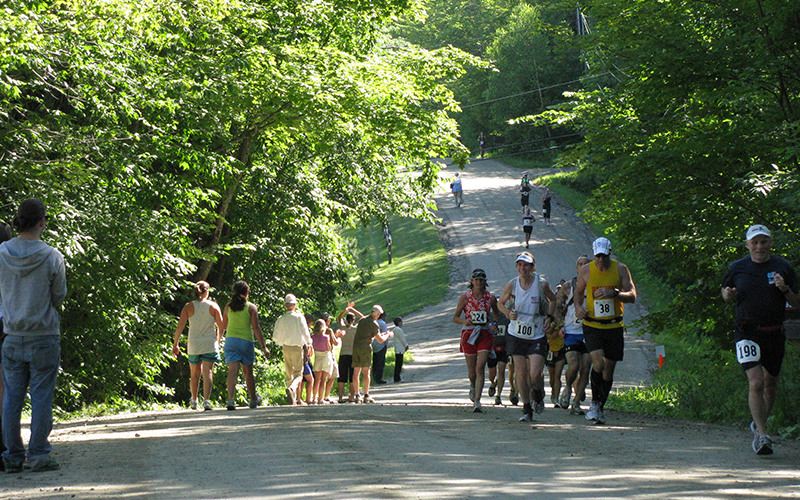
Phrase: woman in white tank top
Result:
[205,331]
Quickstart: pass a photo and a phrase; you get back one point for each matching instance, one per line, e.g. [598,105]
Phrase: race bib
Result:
[603,308]
[747,351]
[527,222]
[479,317]
[524,329]
[501,330]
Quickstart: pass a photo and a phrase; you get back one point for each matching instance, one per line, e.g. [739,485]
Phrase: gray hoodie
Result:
[33,285]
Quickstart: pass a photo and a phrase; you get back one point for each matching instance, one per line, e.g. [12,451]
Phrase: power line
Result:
[501,146]
[535,90]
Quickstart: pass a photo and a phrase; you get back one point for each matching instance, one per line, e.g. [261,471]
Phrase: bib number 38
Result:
[747,351]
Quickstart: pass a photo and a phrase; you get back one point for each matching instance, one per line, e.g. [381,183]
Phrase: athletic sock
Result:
[597,385]
[606,391]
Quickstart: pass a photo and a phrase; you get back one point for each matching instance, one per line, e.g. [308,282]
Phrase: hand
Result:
[512,315]
[580,312]
[780,283]
[605,293]
[176,350]
[728,293]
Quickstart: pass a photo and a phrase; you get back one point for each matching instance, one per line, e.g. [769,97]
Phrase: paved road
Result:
[421,441]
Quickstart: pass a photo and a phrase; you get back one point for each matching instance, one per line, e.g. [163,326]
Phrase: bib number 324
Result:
[747,351]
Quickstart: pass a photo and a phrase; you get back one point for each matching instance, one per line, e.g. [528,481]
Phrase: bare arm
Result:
[580,291]
[627,293]
[257,329]
[504,297]
[186,312]
[462,303]
[217,314]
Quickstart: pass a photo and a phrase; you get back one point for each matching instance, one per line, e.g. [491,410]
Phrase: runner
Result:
[476,336]
[498,359]
[546,205]
[528,295]
[482,143]
[556,359]
[579,361]
[761,284]
[525,191]
[611,285]
[527,225]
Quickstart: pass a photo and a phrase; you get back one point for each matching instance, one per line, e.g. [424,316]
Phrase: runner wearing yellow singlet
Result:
[610,285]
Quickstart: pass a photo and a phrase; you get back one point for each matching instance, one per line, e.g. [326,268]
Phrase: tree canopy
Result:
[209,139]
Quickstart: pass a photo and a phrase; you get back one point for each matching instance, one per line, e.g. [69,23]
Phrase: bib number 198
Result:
[747,351]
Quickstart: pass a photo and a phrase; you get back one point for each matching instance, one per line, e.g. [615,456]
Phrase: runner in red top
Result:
[476,335]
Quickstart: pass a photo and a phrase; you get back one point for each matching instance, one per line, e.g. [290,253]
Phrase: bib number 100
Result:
[524,329]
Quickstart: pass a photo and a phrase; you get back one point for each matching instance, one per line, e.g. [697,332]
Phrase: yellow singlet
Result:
[604,314]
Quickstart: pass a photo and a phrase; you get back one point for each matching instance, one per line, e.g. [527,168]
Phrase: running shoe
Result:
[472,391]
[477,407]
[367,399]
[592,413]
[526,417]
[563,401]
[493,389]
[514,398]
[11,467]
[576,409]
[207,405]
[601,417]
[764,446]
[554,401]
[193,404]
[538,406]
[231,405]
[256,402]
[497,400]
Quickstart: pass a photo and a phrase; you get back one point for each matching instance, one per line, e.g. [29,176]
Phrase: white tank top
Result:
[572,325]
[202,334]
[528,324]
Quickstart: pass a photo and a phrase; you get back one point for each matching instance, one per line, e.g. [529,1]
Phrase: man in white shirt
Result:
[291,333]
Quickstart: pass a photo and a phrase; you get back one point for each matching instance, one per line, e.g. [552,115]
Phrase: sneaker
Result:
[592,413]
[764,446]
[477,408]
[341,400]
[601,417]
[356,399]
[497,401]
[193,404]
[554,401]
[381,381]
[12,468]
[207,405]
[493,389]
[538,406]
[367,399]
[231,405]
[48,463]
[526,417]
[472,391]
[514,398]
[256,402]
[576,409]
[563,400]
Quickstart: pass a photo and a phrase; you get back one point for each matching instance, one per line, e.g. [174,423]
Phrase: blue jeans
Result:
[30,361]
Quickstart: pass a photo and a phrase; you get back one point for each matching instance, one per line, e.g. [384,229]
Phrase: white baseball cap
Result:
[290,299]
[376,309]
[601,246]
[754,231]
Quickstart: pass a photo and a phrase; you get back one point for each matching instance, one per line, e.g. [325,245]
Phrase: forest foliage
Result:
[209,139]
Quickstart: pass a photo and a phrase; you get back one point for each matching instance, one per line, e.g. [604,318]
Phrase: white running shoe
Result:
[601,417]
[563,400]
[493,388]
[538,406]
[477,408]
[193,404]
[207,405]
[526,417]
[592,413]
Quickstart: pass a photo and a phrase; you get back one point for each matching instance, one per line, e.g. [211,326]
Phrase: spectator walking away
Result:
[323,367]
[476,335]
[5,235]
[379,352]
[348,333]
[400,347]
[366,331]
[458,190]
[205,333]
[33,286]
[291,333]
[761,285]
[240,323]
[546,197]
[482,143]
[610,286]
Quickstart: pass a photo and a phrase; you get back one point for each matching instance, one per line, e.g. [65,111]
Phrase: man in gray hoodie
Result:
[32,286]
